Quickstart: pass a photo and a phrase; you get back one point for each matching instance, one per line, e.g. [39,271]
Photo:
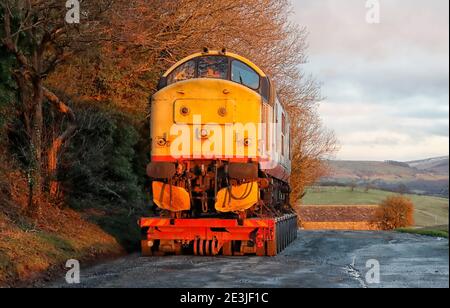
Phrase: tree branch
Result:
[8,41]
[59,141]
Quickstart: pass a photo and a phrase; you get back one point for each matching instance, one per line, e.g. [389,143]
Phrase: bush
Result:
[98,166]
[102,171]
[395,212]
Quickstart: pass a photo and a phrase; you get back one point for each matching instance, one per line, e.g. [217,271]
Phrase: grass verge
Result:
[29,252]
[430,231]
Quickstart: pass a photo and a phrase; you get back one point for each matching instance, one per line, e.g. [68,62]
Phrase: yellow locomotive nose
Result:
[207,114]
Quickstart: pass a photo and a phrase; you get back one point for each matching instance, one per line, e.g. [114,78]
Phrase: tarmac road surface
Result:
[325,259]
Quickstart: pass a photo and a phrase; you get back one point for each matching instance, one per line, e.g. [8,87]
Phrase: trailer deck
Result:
[212,236]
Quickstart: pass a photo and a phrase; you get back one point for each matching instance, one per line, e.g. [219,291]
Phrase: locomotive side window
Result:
[183,72]
[243,74]
[213,67]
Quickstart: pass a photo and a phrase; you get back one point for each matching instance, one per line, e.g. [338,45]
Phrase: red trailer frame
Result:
[213,236]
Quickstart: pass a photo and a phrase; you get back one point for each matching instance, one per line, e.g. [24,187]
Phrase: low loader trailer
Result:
[215,236]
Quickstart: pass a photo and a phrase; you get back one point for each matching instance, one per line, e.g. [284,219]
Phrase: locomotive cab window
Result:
[183,72]
[244,74]
[218,67]
[213,67]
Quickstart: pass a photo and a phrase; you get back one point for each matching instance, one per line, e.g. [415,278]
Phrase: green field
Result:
[429,211]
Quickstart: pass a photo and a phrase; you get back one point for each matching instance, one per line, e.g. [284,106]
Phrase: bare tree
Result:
[312,145]
[36,34]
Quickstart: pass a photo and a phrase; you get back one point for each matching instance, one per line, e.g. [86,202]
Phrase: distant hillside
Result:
[437,165]
[428,176]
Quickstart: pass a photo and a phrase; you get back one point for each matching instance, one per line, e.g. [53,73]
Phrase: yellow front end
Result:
[205,119]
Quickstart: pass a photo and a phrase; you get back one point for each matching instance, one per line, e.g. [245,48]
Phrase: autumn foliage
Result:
[395,212]
[150,37]
[116,56]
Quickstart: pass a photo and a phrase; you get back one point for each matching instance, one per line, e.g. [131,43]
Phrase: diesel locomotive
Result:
[220,161]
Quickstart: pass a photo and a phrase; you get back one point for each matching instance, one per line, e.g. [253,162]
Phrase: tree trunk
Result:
[36,151]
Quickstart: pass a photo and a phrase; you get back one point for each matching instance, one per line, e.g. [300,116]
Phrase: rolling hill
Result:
[437,165]
[427,177]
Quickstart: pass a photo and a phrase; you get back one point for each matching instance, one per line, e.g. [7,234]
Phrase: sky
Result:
[386,84]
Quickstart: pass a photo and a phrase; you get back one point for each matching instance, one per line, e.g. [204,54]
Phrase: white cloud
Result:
[386,85]
[372,132]
[429,147]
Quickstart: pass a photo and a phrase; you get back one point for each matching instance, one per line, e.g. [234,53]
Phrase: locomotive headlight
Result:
[222,111]
[247,142]
[162,142]
[184,111]
[204,133]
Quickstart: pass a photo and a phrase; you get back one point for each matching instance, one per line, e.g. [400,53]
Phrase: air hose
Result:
[229,194]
